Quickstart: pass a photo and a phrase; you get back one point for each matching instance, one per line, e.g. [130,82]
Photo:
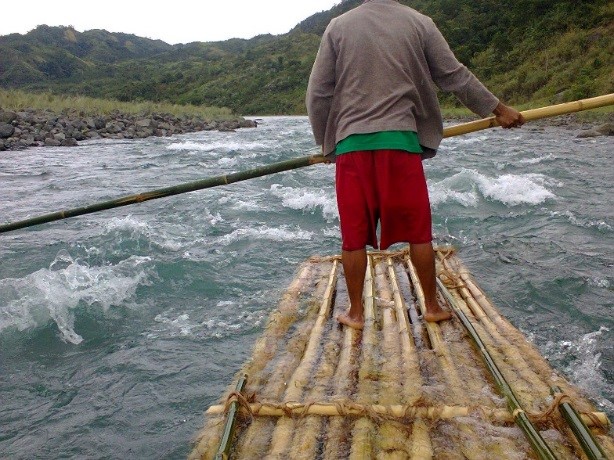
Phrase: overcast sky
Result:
[178,21]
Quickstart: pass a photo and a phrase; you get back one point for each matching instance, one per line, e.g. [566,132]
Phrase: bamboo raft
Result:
[469,388]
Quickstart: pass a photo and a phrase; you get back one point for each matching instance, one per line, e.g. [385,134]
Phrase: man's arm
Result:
[321,88]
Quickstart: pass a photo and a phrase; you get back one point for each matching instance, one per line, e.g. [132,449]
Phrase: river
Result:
[118,329]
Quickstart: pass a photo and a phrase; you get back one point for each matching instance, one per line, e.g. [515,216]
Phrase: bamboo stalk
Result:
[527,350]
[421,444]
[528,384]
[363,430]
[344,381]
[223,452]
[308,430]
[585,438]
[296,163]
[349,409]
[393,436]
[539,445]
[412,384]
[278,324]
[437,342]
[459,389]
[255,441]
[534,114]
[168,191]
[296,386]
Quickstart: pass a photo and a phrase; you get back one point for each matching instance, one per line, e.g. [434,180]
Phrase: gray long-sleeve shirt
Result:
[375,71]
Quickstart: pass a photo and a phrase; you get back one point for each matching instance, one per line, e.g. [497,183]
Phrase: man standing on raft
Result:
[374,110]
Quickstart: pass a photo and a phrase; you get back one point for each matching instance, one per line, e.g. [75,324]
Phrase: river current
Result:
[118,329]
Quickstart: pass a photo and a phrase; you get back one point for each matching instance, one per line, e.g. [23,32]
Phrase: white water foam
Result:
[307,200]
[220,146]
[584,364]
[584,223]
[283,233]
[465,187]
[55,293]
[235,320]
[167,238]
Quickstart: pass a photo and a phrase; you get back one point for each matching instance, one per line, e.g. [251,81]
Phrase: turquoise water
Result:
[118,329]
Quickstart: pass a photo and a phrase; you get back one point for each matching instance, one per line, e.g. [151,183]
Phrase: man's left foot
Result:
[354,323]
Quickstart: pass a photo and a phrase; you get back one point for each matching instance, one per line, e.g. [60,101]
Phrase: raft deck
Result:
[469,388]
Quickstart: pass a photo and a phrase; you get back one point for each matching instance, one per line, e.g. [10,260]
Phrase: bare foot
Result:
[354,323]
[437,314]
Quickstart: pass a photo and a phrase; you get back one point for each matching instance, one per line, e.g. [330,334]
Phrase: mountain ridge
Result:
[526,51]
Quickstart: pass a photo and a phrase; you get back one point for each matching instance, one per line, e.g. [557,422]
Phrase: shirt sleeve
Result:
[321,87]
[452,76]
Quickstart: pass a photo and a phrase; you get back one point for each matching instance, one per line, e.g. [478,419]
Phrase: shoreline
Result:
[20,130]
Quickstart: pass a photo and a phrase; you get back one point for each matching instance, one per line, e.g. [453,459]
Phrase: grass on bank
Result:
[17,100]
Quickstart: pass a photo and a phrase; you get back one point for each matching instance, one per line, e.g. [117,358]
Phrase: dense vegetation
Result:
[542,51]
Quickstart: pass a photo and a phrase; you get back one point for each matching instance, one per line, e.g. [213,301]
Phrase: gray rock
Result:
[70,142]
[49,142]
[146,123]
[6,130]
[7,116]
[606,129]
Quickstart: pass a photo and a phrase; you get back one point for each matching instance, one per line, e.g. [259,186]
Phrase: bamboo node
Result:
[517,412]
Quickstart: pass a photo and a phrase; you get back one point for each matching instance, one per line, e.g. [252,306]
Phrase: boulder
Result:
[50,142]
[606,129]
[146,123]
[7,116]
[6,130]
[70,142]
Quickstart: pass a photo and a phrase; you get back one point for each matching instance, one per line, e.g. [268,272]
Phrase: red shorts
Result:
[388,186]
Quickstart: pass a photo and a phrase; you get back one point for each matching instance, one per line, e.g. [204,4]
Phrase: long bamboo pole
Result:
[296,163]
[534,114]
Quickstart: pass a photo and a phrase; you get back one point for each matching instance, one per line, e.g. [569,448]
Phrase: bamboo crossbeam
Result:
[296,163]
[394,411]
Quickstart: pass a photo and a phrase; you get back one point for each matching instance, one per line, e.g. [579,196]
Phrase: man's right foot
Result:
[346,319]
[435,315]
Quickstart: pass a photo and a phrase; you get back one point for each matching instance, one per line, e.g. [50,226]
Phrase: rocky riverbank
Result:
[36,128]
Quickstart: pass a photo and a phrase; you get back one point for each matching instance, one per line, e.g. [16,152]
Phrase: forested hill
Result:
[527,50]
